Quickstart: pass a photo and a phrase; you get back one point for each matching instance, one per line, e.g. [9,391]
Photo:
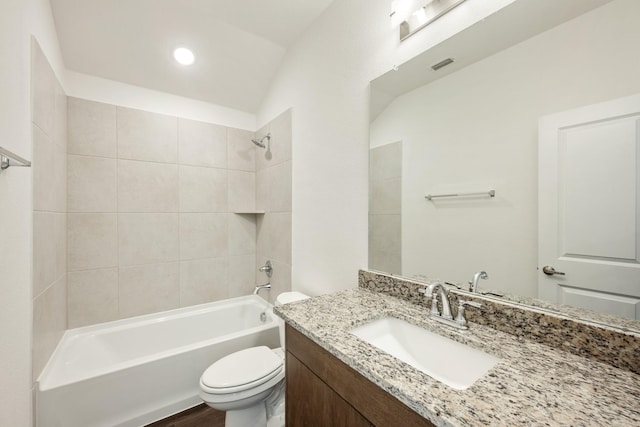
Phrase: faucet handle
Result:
[428,292]
[267,268]
[460,319]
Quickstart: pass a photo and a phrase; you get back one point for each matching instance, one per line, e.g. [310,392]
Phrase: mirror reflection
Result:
[478,127]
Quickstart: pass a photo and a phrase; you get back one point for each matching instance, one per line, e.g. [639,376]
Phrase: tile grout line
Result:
[117,213]
[180,213]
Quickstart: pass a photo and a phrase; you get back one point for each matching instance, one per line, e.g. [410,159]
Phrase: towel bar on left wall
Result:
[7,159]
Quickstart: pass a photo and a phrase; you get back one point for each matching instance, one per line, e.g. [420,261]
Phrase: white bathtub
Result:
[135,371]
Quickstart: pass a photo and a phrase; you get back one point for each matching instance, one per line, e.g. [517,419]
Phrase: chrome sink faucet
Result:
[444,299]
[473,284]
[436,290]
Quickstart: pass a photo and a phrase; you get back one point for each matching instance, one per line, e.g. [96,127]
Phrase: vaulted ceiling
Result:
[238,44]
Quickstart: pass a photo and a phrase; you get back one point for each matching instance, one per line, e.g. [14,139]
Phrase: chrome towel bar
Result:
[7,158]
[490,193]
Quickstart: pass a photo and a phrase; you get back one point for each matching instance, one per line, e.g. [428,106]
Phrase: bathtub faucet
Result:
[258,288]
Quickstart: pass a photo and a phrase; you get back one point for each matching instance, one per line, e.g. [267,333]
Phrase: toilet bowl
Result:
[249,384]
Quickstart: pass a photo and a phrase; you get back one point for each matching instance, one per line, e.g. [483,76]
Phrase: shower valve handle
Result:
[267,268]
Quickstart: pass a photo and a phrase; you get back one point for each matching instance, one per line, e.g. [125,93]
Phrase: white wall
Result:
[18,20]
[324,77]
[476,129]
[111,92]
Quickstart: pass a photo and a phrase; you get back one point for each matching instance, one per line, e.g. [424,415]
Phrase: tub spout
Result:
[258,288]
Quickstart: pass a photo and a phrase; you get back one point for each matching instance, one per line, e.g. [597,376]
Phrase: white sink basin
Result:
[450,362]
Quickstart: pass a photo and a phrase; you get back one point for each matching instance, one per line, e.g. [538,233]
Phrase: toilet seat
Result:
[243,370]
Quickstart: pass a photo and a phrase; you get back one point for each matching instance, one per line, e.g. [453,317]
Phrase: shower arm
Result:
[260,142]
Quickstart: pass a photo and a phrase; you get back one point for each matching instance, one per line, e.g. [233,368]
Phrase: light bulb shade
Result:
[184,56]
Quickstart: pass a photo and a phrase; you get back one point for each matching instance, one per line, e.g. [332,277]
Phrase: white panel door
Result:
[589,213]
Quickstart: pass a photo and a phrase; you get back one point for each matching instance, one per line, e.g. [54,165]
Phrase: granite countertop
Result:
[533,384]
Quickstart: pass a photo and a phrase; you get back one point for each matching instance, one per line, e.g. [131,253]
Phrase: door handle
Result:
[550,271]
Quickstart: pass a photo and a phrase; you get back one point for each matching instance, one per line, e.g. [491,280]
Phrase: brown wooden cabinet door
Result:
[312,403]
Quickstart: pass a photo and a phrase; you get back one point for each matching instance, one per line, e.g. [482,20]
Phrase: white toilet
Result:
[249,384]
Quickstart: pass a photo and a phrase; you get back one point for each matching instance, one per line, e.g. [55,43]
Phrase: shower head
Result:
[260,142]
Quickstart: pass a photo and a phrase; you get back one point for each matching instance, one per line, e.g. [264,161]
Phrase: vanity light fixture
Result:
[184,56]
[401,10]
[414,15]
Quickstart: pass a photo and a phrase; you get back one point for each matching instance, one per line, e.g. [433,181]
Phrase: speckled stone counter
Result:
[597,336]
[533,384]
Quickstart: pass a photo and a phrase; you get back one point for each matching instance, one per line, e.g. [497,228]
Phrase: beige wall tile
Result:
[147,136]
[242,275]
[386,162]
[43,84]
[279,191]
[280,147]
[58,181]
[241,152]
[274,237]
[264,155]
[49,165]
[215,176]
[242,191]
[384,196]
[145,238]
[91,184]
[147,187]
[60,134]
[381,260]
[202,144]
[49,322]
[203,281]
[281,237]
[203,189]
[92,297]
[49,249]
[385,243]
[203,235]
[92,241]
[43,171]
[92,128]
[242,234]
[262,189]
[148,288]
[44,248]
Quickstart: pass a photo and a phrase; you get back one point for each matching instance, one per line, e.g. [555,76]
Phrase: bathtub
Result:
[135,371]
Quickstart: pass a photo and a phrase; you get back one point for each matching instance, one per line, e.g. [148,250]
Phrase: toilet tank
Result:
[285,298]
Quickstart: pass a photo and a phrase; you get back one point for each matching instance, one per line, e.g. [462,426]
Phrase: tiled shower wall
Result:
[153,220]
[385,208]
[49,141]
[273,195]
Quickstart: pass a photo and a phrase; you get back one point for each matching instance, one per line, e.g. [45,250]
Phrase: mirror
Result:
[472,127]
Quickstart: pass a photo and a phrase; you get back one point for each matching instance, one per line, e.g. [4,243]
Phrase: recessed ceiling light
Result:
[184,56]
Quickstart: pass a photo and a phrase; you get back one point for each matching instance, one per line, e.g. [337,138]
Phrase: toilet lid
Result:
[252,366]
[293,296]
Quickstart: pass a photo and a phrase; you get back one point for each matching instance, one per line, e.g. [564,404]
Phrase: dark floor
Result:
[198,416]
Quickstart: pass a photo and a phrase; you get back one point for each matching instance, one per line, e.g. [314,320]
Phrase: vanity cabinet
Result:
[323,391]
